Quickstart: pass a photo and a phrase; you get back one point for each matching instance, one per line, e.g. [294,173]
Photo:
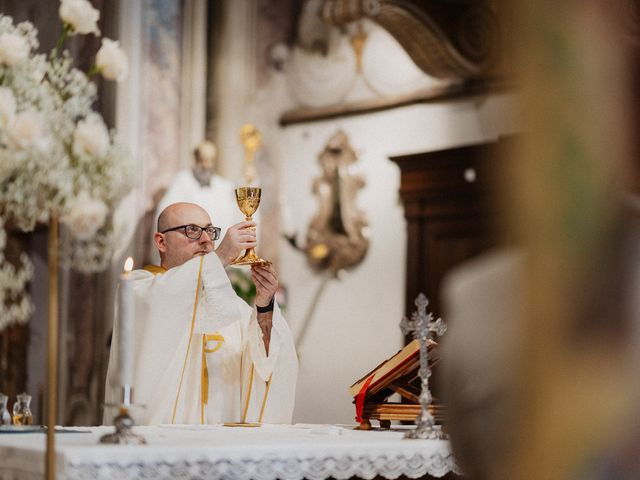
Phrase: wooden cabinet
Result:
[448,201]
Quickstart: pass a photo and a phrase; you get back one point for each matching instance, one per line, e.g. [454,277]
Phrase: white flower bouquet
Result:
[57,157]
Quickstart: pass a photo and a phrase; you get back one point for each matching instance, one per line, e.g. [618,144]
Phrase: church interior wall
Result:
[356,322]
[348,74]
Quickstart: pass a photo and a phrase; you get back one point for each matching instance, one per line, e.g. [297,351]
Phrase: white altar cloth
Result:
[217,452]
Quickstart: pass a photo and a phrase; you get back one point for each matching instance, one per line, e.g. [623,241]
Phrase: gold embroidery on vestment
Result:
[264,400]
[246,406]
[193,322]
[155,269]
[206,338]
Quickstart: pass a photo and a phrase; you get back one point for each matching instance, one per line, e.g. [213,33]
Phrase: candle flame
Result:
[128,265]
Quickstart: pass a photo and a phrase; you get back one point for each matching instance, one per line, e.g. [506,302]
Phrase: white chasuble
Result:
[198,352]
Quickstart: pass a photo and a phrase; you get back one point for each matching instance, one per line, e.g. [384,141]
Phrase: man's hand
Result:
[266,281]
[238,238]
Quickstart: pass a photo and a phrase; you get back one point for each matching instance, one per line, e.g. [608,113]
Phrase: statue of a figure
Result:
[201,185]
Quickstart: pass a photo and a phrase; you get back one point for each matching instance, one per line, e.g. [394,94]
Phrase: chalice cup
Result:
[248,199]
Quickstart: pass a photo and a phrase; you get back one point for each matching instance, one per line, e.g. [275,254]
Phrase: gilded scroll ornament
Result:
[337,236]
[447,40]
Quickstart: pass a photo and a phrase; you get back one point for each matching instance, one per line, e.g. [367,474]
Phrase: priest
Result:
[201,354]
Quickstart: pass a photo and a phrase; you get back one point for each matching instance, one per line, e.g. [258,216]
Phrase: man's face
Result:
[205,163]
[174,246]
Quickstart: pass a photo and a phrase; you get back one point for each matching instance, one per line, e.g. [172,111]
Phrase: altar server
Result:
[201,354]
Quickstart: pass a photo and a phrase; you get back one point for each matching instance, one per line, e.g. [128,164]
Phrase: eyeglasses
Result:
[194,232]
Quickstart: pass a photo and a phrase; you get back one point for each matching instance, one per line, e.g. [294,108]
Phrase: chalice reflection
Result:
[248,199]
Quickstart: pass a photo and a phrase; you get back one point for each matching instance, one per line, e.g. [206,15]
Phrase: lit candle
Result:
[125,330]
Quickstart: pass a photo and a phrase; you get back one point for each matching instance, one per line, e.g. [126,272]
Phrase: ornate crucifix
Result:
[423,325]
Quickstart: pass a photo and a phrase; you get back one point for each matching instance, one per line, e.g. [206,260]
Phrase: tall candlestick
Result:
[123,422]
[125,332]
[251,139]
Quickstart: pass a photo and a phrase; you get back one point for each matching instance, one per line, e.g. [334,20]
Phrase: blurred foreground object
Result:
[576,386]
[483,301]
[548,385]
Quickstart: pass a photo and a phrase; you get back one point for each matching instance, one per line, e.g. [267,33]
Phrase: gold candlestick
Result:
[251,139]
[52,350]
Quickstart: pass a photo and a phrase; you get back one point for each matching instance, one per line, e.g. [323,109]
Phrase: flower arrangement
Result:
[57,157]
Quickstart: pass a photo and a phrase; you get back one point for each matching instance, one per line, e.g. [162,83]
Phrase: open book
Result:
[398,374]
[403,362]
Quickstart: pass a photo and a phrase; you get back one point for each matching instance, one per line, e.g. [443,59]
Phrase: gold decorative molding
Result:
[358,40]
[461,90]
[445,39]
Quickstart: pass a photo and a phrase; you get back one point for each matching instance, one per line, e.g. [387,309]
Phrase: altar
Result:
[218,452]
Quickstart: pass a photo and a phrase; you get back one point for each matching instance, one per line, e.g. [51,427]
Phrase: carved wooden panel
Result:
[447,197]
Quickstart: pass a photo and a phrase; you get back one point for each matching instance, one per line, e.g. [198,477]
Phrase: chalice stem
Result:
[249,257]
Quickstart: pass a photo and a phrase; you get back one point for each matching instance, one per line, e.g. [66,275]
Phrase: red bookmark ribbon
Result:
[360,398]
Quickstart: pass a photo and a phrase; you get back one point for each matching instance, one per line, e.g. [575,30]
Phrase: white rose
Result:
[85,216]
[112,61]
[7,106]
[80,15]
[37,74]
[14,48]
[26,130]
[91,137]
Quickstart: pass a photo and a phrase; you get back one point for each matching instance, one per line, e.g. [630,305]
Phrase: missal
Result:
[397,374]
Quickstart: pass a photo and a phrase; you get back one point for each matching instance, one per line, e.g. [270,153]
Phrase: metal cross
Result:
[422,325]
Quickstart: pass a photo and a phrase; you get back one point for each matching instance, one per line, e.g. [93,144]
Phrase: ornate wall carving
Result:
[337,237]
[445,39]
[356,56]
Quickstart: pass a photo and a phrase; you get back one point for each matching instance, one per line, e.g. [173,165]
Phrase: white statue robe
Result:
[199,357]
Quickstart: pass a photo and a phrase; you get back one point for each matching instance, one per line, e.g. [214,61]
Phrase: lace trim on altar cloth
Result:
[391,467]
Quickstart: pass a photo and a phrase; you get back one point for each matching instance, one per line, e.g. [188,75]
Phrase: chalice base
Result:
[250,258]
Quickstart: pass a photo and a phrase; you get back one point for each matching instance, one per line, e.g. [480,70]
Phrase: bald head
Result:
[173,215]
[174,246]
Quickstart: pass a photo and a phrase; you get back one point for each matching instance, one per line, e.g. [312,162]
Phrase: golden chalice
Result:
[248,199]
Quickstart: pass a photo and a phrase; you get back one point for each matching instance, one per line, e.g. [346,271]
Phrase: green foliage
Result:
[242,284]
